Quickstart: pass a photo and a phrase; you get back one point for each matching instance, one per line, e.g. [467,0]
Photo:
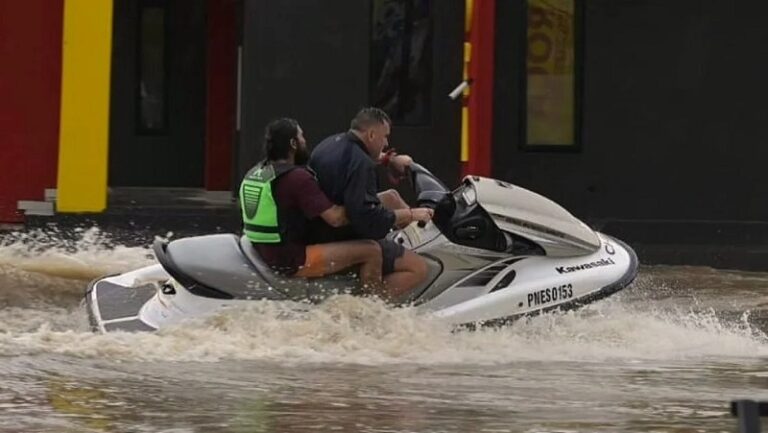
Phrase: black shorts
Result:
[390,251]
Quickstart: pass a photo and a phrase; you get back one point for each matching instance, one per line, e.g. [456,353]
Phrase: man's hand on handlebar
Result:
[422,214]
[406,216]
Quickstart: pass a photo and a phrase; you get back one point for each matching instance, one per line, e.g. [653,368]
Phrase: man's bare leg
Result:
[338,256]
[410,271]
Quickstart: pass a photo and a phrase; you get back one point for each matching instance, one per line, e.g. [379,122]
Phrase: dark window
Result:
[551,74]
[151,84]
[401,60]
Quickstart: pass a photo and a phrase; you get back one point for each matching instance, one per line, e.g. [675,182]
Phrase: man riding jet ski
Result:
[494,251]
[278,199]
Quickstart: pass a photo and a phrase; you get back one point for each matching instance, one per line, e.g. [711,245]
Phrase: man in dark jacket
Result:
[346,169]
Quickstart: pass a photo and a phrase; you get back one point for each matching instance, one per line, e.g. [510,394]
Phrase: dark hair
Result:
[368,117]
[278,136]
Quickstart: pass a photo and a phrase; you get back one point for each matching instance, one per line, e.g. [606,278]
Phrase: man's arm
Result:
[335,216]
[392,200]
[312,201]
[397,166]
[399,163]
[403,217]
[367,216]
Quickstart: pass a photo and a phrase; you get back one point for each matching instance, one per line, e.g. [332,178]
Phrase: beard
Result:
[301,157]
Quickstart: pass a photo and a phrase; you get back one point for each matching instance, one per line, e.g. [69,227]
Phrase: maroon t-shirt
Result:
[299,200]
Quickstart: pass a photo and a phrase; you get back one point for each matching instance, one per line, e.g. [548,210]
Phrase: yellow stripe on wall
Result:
[464,134]
[464,156]
[85,85]
[468,8]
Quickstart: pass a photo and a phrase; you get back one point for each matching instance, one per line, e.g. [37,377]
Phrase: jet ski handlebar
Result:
[431,192]
[429,189]
[424,180]
[458,215]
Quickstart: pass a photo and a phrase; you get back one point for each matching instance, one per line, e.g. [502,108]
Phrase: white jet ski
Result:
[495,252]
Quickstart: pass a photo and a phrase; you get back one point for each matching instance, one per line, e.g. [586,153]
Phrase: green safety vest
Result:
[260,217]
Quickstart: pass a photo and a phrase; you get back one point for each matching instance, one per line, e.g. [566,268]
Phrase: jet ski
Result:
[495,252]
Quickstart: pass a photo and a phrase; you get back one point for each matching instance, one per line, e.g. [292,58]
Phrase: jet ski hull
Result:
[149,298]
[534,285]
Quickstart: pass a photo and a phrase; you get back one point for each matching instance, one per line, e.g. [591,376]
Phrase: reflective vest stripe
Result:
[262,229]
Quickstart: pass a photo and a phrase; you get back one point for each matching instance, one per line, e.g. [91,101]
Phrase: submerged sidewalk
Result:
[134,216]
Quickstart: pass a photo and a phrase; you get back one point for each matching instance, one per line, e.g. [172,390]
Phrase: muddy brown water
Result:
[667,354]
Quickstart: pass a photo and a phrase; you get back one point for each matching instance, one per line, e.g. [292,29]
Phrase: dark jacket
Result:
[347,175]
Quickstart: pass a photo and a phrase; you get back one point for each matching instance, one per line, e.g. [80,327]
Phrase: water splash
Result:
[43,279]
[365,331]
[76,254]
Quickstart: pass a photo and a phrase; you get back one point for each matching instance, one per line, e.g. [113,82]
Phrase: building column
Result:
[477,115]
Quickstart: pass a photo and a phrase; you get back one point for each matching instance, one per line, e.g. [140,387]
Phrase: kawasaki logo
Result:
[590,265]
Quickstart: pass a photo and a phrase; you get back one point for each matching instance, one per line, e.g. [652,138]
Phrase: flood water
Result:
[667,354]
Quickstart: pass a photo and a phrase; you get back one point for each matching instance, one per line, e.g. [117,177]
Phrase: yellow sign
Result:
[550,72]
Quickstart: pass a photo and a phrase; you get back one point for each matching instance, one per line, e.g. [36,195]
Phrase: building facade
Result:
[643,117]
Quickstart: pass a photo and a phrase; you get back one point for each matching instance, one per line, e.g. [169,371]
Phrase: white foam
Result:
[364,331]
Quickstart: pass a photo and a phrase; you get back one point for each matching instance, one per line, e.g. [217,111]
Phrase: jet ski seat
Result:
[214,266]
[297,287]
[225,266]
[319,288]
[270,276]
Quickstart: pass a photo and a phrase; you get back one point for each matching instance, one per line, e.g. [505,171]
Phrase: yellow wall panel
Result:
[84,128]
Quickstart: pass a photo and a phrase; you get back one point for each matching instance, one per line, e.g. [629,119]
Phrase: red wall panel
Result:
[221,92]
[481,68]
[30,88]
